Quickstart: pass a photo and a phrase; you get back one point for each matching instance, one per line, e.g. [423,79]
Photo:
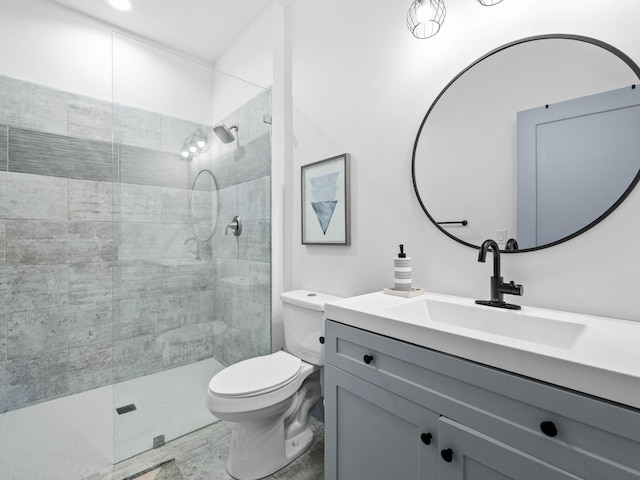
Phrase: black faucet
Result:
[498,287]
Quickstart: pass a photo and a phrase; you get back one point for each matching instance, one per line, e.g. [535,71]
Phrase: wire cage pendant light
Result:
[425,17]
[488,3]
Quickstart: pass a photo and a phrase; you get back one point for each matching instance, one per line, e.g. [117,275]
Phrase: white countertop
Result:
[604,359]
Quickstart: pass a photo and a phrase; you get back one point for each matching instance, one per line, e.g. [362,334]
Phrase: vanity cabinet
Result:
[398,410]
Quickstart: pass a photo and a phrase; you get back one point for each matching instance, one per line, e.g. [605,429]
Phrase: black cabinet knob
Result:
[321,340]
[447,455]
[549,429]
[368,359]
[426,438]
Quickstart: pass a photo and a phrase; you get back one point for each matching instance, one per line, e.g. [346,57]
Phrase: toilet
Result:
[269,398]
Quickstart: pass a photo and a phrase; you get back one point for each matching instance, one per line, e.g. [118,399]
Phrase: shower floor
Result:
[201,455]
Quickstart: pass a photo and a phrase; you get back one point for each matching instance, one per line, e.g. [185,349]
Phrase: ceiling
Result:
[200,28]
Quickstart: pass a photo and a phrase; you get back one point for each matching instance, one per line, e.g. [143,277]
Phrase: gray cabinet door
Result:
[470,455]
[373,434]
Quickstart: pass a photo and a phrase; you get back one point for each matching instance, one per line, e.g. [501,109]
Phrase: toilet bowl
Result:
[269,398]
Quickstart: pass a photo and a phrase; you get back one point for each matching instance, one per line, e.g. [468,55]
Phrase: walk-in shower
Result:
[110,325]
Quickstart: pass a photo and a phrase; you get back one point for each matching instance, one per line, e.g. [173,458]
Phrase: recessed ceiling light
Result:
[124,5]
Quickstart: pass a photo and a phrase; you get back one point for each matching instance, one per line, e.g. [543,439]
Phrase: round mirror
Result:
[204,205]
[535,141]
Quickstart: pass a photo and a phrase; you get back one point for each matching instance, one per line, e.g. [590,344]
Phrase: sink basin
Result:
[586,353]
[517,324]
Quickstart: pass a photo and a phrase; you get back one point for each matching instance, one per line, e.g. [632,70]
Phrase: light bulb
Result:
[124,5]
[193,149]
[201,144]
[425,12]
[185,154]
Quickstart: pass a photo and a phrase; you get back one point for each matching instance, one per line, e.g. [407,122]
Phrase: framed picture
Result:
[325,202]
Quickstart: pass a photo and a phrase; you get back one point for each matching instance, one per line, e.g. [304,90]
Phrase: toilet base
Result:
[260,448]
[266,458]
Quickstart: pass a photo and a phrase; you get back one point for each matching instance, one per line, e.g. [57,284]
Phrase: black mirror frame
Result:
[621,55]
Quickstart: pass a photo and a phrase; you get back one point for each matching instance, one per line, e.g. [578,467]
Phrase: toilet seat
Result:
[238,398]
[256,376]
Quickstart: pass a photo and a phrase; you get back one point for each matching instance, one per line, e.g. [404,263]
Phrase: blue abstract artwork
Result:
[325,201]
[324,190]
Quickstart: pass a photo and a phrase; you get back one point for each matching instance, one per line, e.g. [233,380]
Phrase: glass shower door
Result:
[188,299]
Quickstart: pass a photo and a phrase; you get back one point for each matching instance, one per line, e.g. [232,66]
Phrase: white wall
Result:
[50,45]
[362,83]
[250,58]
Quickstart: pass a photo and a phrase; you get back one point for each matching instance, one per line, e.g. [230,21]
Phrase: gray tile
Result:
[184,278]
[136,279]
[136,356]
[248,280]
[135,127]
[175,131]
[3,243]
[170,471]
[90,367]
[4,146]
[247,162]
[254,199]
[89,118]
[4,322]
[59,156]
[50,330]
[4,194]
[142,203]
[255,241]
[203,453]
[33,287]
[90,283]
[4,389]
[206,306]
[152,241]
[33,379]
[90,242]
[36,242]
[28,105]
[90,201]
[153,315]
[33,197]
[144,166]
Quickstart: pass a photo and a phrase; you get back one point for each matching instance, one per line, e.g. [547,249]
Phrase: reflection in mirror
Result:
[204,205]
[466,164]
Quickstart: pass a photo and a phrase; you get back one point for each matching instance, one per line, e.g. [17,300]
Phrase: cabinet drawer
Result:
[507,407]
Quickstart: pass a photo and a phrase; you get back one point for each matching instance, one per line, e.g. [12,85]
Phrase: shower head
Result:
[224,133]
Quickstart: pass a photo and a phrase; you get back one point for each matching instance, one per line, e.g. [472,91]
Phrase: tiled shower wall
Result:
[96,282]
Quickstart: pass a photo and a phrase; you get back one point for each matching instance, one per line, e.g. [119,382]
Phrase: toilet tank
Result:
[303,315]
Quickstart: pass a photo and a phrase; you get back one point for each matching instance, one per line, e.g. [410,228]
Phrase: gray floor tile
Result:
[202,454]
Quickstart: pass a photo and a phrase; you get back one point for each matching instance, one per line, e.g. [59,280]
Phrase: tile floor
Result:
[201,455]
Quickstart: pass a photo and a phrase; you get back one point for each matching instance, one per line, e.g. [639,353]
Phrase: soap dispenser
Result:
[402,271]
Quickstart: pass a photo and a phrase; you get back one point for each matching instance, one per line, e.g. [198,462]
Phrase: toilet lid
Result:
[256,375]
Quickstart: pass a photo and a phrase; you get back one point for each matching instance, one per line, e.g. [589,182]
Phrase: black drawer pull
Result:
[549,429]
[321,340]
[368,359]
[426,438]
[447,455]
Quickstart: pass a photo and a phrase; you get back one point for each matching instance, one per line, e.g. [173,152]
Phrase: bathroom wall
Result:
[373,111]
[240,297]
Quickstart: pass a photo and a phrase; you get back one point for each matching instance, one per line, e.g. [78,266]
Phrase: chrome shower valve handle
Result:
[235,225]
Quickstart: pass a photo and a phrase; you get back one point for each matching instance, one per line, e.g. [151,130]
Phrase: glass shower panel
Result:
[188,299]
